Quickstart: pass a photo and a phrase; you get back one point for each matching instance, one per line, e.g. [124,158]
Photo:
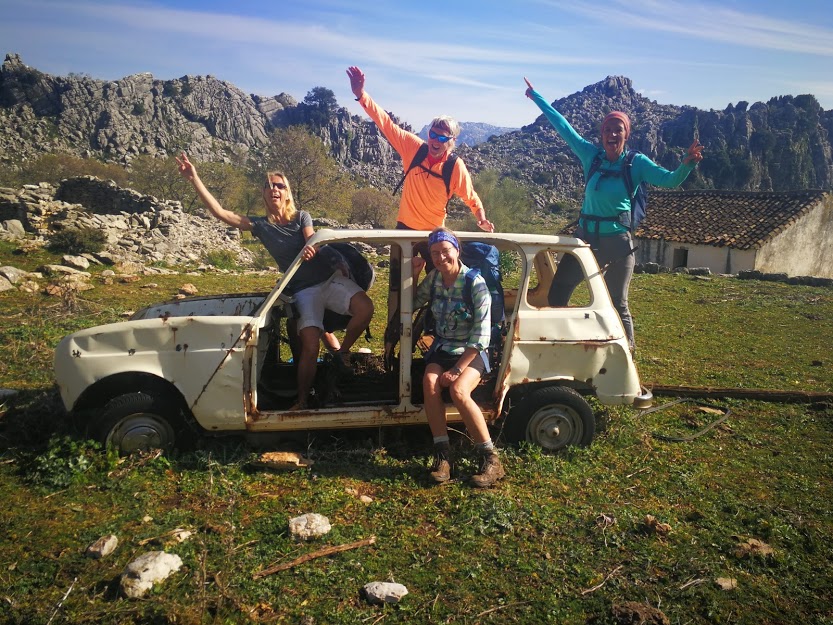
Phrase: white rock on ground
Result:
[15,228]
[308,526]
[140,575]
[57,270]
[103,547]
[13,274]
[384,592]
[76,262]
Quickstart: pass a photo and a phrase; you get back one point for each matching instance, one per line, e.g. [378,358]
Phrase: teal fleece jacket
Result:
[606,196]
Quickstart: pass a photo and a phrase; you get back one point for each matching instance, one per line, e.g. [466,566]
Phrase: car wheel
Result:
[137,421]
[553,418]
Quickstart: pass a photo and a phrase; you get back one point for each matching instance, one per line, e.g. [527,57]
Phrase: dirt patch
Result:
[633,613]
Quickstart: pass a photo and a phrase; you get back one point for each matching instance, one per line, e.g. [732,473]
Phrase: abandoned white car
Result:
[223,364]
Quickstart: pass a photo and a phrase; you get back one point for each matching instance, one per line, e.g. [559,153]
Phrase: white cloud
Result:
[707,22]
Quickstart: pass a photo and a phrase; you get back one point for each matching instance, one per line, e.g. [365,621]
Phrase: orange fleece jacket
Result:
[423,202]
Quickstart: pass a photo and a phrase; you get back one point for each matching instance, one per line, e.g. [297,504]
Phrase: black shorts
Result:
[446,361]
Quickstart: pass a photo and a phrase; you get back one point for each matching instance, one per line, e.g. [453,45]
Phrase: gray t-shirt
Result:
[284,243]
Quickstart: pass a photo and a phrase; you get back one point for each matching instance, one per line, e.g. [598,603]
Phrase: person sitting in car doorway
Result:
[457,358]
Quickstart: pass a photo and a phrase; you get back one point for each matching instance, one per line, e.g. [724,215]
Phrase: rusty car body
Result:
[224,363]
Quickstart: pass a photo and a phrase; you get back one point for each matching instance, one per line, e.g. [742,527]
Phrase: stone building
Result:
[732,231]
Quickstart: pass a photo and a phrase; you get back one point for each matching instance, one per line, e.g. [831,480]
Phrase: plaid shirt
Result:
[457,327]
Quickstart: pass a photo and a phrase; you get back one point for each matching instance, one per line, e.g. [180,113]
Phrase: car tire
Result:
[552,417]
[137,422]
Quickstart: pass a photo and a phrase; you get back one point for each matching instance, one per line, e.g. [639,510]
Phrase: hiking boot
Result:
[441,469]
[490,471]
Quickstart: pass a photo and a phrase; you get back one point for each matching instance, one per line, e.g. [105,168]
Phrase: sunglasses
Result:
[440,138]
[275,185]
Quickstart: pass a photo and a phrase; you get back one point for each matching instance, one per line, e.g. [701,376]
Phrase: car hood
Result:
[226,305]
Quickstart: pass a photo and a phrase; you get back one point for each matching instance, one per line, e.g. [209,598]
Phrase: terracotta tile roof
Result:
[739,219]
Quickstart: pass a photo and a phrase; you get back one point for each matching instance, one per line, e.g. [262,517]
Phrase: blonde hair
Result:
[289,210]
[446,122]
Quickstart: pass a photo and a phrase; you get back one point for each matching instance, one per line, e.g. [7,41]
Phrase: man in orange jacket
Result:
[424,195]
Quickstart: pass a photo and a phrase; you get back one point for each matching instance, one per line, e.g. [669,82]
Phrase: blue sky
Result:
[466,59]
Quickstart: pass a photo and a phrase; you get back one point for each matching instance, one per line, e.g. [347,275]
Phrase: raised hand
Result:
[356,80]
[186,167]
[529,87]
[417,265]
[695,152]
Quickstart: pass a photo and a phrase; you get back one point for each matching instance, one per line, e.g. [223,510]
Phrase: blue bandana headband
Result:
[442,235]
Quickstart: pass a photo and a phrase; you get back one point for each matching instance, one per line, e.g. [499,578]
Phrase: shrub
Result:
[171,89]
[77,241]
[63,462]
[55,167]
[509,262]
[373,206]
[262,259]
[223,259]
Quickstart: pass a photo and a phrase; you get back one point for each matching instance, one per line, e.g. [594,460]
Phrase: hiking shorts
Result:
[333,294]
[479,363]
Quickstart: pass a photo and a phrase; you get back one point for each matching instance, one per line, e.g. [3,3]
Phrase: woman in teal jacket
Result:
[605,213]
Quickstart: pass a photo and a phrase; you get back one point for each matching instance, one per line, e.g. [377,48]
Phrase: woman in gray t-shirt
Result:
[316,286]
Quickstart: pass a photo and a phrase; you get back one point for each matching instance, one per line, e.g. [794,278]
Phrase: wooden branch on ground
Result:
[602,583]
[326,551]
[761,394]
[501,607]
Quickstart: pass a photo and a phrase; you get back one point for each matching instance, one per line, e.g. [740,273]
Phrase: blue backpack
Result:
[484,259]
[639,199]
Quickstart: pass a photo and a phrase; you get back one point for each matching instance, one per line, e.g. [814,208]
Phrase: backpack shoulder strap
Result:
[420,155]
[448,170]
[627,173]
[433,287]
[594,167]
[471,274]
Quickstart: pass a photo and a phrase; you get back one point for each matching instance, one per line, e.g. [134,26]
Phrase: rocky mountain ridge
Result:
[783,144]
[473,133]
[138,230]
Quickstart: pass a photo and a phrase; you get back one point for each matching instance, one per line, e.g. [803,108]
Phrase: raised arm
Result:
[578,144]
[356,81]
[404,142]
[657,175]
[462,186]
[189,172]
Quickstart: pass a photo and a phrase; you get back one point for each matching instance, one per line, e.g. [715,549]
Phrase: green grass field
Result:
[569,538]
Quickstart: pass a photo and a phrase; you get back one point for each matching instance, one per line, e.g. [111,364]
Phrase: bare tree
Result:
[373,206]
[317,183]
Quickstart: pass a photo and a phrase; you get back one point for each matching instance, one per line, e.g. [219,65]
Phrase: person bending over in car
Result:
[316,286]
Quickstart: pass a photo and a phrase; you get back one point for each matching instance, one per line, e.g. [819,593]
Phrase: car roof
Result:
[499,239]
